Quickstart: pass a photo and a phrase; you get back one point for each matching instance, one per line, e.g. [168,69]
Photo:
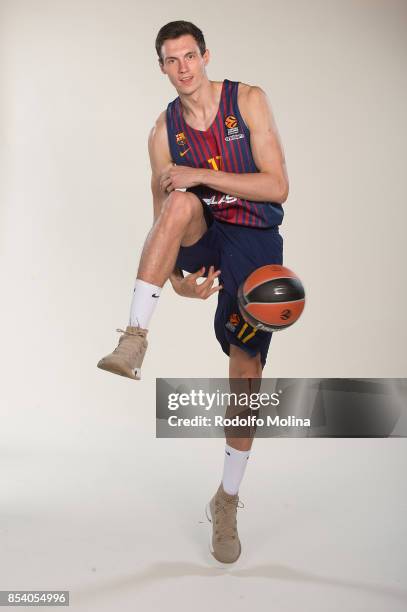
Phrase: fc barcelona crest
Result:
[181,140]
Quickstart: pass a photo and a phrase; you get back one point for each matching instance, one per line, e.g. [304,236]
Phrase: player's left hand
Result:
[180,177]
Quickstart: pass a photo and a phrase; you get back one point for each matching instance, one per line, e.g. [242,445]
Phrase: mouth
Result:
[186,80]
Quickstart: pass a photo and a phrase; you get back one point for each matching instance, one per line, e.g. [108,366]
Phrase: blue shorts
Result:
[236,251]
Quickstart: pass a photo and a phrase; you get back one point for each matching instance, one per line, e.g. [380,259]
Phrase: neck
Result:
[202,103]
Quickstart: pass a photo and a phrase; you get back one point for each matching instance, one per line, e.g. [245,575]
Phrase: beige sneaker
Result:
[221,512]
[128,356]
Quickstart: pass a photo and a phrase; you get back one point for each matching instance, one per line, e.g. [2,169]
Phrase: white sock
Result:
[234,469]
[145,298]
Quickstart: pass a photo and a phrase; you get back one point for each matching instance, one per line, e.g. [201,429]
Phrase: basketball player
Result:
[219,142]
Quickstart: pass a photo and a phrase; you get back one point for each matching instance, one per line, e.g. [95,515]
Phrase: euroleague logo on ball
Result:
[271,298]
[231,121]
[285,315]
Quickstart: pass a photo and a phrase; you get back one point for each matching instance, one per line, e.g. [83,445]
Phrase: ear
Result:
[206,57]
[161,66]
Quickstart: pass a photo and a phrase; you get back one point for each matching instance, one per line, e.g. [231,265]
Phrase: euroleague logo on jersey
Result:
[232,127]
[231,121]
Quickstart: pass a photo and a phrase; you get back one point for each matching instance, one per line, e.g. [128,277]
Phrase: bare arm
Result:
[270,184]
[160,159]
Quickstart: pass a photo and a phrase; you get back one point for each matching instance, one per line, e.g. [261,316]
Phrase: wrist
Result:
[210,177]
[202,176]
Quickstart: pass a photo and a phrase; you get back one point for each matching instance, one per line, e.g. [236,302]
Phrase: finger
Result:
[168,185]
[215,289]
[212,276]
[207,294]
[204,288]
[197,274]
[210,271]
[165,186]
[207,284]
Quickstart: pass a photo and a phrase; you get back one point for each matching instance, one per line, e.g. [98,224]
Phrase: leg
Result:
[180,223]
[244,374]
[242,366]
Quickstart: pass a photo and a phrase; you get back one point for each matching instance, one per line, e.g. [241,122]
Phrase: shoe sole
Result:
[136,372]
[222,563]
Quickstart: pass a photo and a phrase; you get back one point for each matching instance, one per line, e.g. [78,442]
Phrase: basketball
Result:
[271,298]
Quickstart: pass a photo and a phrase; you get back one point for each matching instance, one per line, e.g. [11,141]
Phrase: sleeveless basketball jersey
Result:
[225,146]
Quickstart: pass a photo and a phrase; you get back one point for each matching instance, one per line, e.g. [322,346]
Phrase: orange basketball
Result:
[271,298]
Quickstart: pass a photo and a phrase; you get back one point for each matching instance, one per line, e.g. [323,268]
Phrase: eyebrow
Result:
[173,57]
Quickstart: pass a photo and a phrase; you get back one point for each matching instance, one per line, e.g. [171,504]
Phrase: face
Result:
[183,63]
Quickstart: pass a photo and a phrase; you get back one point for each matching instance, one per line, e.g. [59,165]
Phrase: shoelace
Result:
[226,527]
[127,347]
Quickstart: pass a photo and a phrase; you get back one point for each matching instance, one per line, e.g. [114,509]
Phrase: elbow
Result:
[279,188]
[282,193]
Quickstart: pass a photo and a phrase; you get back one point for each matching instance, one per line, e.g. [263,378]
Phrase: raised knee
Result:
[180,205]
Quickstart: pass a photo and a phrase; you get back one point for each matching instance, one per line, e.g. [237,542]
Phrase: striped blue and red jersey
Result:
[225,146]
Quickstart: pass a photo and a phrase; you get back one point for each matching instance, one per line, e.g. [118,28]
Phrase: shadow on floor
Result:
[167,570]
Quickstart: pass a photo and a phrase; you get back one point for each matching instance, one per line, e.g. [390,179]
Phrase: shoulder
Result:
[160,127]
[158,134]
[252,100]
[158,138]
[250,94]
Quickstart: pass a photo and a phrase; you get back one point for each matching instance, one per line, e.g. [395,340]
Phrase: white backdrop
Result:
[80,89]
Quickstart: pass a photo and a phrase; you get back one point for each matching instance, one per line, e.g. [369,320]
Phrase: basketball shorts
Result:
[237,251]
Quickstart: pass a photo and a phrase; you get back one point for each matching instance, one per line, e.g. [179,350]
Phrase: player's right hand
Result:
[188,286]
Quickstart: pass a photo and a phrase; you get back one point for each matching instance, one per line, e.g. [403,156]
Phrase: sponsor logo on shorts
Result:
[244,332]
[233,322]
[234,319]
[224,199]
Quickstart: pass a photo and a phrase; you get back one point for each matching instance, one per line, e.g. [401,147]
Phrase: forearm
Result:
[254,186]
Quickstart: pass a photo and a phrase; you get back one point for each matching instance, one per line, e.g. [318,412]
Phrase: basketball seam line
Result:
[275,303]
[274,278]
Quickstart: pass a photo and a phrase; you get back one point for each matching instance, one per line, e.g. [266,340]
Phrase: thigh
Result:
[242,364]
[203,252]
[198,224]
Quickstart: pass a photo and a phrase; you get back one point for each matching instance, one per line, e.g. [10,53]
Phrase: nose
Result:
[182,66]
